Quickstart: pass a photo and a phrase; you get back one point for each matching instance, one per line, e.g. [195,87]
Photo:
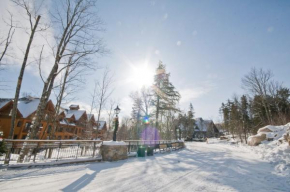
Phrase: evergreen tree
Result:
[3,148]
[165,95]
[191,121]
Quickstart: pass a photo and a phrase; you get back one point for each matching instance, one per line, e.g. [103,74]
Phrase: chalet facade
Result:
[25,111]
[71,123]
[205,129]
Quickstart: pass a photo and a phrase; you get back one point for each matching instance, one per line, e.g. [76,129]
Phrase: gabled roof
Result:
[90,116]
[4,102]
[202,125]
[77,113]
[102,125]
[26,105]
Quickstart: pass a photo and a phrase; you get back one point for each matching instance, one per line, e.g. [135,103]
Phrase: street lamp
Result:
[117,111]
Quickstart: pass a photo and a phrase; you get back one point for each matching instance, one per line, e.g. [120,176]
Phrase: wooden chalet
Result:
[72,123]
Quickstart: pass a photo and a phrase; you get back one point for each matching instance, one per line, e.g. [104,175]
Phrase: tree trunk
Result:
[19,82]
[57,106]
[157,114]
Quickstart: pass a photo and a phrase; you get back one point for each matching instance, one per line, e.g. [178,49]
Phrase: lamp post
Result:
[117,111]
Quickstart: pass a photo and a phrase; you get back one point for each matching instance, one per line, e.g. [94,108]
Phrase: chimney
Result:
[74,107]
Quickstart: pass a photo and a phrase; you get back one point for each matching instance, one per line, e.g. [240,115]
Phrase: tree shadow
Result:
[87,178]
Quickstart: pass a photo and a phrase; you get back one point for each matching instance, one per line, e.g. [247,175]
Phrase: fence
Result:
[134,144]
[51,150]
[55,150]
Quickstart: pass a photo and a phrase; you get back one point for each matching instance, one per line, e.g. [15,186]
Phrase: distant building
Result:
[71,123]
[205,129]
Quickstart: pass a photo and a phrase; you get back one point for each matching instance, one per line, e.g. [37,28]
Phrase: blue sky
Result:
[208,46]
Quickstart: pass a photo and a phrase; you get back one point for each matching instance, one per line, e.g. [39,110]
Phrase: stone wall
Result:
[114,152]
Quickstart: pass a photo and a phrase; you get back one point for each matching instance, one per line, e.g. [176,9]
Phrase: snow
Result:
[90,116]
[114,143]
[65,122]
[276,131]
[77,113]
[27,106]
[201,124]
[198,167]
[3,102]
[102,124]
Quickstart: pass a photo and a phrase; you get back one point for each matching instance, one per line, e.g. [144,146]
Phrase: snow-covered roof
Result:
[69,115]
[77,113]
[3,102]
[101,125]
[90,116]
[27,106]
[202,125]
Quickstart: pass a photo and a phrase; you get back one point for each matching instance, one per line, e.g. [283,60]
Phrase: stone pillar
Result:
[114,151]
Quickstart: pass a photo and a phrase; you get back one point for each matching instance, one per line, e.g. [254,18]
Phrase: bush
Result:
[3,148]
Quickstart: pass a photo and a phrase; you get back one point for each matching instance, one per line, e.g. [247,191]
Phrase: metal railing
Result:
[51,150]
[134,144]
[55,150]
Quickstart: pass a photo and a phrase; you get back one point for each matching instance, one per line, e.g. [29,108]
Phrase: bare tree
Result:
[94,94]
[257,82]
[33,20]
[104,91]
[77,23]
[110,112]
[7,41]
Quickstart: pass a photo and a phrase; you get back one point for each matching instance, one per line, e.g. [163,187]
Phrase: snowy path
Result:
[199,167]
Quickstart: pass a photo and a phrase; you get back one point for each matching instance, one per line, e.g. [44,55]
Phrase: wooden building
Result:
[72,123]
[205,129]
[25,111]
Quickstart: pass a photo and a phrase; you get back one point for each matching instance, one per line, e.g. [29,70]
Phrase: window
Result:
[49,129]
[27,126]
[19,123]
[15,136]
[23,137]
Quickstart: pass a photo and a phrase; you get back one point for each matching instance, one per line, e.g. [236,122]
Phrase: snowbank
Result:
[114,143]
[274,148]
[270,133]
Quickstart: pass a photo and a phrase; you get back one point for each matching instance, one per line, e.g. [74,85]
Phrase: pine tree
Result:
[165,95]
[191,121]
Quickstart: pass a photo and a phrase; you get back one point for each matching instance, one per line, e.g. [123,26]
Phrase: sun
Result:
[141,75]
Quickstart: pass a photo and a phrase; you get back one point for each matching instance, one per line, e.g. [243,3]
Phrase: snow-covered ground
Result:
[198,167]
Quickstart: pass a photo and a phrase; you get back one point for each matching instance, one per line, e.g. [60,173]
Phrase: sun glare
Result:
[141,75]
